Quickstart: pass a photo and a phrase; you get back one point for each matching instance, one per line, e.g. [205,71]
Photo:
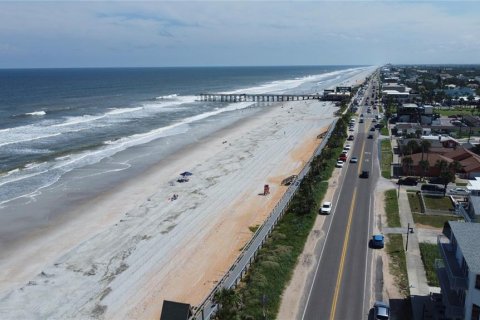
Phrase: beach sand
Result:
[131,248]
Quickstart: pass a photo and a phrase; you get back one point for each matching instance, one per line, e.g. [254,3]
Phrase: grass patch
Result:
[430,253]
[397,265]
[414,202]
[391,208]
[437,203]
[454,111]
[386,158]
[384,130]
[462,184]
[436,221]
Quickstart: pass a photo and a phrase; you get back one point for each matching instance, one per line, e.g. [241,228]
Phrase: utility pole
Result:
[408,232]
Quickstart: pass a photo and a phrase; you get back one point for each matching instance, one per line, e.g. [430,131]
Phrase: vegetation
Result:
[430,253]
[414,202]
[259,294]
[254,228]
[436,221]
[391,208]
[398,264]
[386,158]
[437,203]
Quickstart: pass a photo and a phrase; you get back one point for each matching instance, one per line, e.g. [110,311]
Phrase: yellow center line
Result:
[345,244]
[342,260]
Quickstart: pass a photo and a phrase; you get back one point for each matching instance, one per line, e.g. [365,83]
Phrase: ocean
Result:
[68,134]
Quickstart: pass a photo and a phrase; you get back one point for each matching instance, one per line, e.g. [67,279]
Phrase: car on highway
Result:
[461,191]
[374,120]
[408,181]
[354,160]
[378,241]
[365,174]
[360,121]
[326,208]
[339,164]
[381,311]
[350,138]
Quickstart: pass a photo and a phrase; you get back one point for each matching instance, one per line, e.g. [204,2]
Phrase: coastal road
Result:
[340,287]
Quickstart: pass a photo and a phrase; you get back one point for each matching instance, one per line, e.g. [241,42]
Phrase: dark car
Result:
[372,129]
[432,188]
[408,181]
[350,138]
[365,174]
[437,180]
[370,136]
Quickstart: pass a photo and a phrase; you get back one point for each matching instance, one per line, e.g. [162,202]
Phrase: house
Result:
[408,128]
[416,170]
[441,141]
[459,270]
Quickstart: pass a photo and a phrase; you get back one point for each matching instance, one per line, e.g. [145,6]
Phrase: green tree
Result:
[407,163]
[424,165]
[228,304]
[425,145]
[446,173]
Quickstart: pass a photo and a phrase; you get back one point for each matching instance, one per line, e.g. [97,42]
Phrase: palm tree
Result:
[446,173]
[407,162]
[424,165]
[425,145]
[412,146]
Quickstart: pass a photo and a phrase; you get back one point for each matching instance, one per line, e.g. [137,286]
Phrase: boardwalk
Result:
[256,97]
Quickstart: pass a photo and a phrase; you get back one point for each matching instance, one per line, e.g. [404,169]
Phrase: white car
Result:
[347,147]
[339,164]
[326,207]
[461,191]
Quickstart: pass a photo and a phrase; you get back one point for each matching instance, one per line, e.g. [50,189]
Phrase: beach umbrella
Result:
[185,174]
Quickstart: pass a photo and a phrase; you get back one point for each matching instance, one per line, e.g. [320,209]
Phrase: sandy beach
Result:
[132,247]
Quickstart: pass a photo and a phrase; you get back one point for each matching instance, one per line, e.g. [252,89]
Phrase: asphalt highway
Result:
[340,287]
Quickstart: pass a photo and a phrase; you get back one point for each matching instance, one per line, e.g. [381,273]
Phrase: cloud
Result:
[237,33]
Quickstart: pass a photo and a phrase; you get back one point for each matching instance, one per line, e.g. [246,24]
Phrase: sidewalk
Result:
[417,279]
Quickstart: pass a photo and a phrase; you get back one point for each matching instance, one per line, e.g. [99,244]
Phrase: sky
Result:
[61,34]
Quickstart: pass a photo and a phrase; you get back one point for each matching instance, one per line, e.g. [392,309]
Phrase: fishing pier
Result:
[256,97]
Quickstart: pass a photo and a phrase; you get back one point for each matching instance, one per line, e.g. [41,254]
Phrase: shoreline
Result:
[133,245]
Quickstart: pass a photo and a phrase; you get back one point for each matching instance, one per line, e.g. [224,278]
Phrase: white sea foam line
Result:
[288,84]
[36,113]
[30,139]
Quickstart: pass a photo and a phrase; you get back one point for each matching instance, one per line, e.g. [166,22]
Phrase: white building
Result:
[459,270]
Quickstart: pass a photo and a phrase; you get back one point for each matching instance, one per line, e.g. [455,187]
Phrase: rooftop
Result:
[467,236]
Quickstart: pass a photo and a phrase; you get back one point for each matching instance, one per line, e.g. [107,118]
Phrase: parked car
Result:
[350,138]
[326,208]
[408,181]
[381,311]
[342,157]
[437,180]
[339,164]
[354,160]
[432,188]
[347,147]
[378,241]
[370,136]
[372,129]
[461,191]
[365,174]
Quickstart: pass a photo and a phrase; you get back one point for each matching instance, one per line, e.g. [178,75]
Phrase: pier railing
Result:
[264,97]
[240,267]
